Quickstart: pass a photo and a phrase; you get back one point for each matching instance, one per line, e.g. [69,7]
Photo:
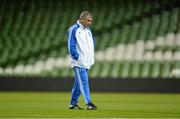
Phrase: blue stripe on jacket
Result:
[94,39]
[72,42]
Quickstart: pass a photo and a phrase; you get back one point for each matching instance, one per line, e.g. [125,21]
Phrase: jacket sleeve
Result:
[94,41]
[72,43]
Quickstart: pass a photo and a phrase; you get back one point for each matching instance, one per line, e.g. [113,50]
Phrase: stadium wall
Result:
[96,84]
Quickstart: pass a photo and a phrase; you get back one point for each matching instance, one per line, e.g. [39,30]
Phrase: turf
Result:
[114,105]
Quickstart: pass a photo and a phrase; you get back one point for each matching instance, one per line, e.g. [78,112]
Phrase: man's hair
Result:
[85,14]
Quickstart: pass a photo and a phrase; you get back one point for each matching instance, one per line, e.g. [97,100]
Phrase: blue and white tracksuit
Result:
[81,49]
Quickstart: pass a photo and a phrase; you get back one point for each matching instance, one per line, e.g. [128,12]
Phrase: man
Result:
[81,49]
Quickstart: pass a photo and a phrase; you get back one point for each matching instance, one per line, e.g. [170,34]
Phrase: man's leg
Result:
[75,92]
[82,77]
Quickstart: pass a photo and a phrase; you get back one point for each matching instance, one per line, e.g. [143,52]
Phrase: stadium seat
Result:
[144,43]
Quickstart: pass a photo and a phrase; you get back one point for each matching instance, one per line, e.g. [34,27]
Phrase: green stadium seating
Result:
[135,39]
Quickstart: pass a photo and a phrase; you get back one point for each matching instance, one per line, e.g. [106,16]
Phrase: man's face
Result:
[87,21]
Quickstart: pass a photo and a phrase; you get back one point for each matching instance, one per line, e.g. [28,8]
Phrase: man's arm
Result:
[72,42]
[94,41]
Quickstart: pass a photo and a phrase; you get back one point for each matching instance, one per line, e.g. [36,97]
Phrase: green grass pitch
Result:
[111,105]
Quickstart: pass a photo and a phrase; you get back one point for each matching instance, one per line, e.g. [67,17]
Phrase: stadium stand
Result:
[134,38]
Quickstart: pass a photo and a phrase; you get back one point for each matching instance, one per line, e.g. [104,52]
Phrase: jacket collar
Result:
[81,25]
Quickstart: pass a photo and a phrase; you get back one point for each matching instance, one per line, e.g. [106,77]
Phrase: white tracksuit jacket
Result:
[81,46]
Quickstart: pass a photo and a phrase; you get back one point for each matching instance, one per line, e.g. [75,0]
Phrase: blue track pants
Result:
[81,86]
